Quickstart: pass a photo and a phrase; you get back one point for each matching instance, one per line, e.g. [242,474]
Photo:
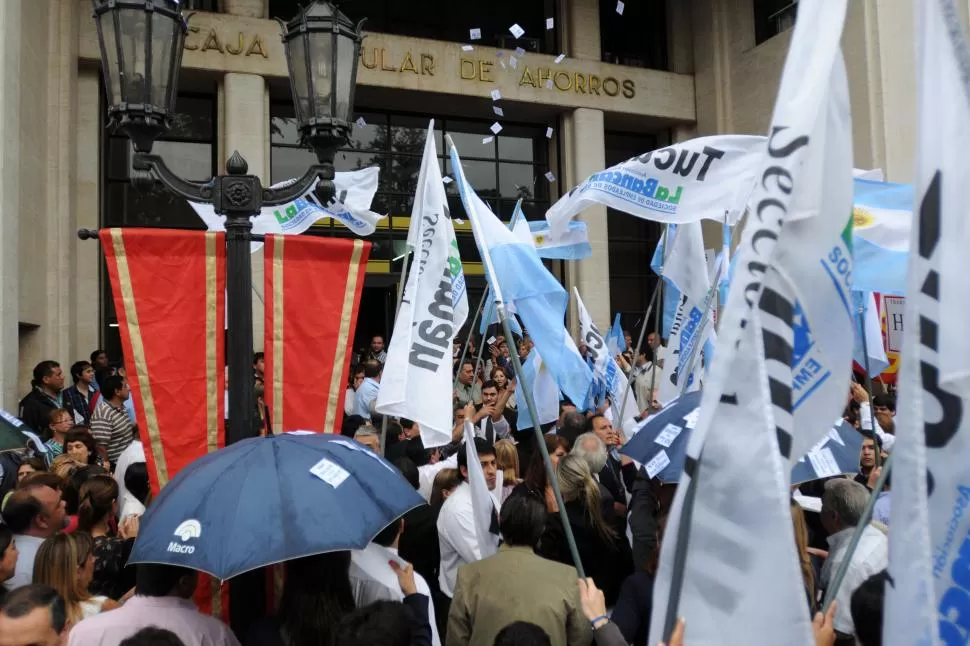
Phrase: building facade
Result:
[663,71]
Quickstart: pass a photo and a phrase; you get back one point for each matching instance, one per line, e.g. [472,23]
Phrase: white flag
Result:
[686,267]
[684,182]
[545,392]
[929,548]
[417,382]
[353,193]
[742,583]
[485,505]
[605,368]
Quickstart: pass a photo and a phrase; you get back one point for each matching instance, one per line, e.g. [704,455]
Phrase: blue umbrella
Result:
[661,445]
[266,500]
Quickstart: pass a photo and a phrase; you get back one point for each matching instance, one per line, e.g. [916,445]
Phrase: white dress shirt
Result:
[866,420]
[365,396]
[372,579]
[457,537]
[24,572]
[871,556]
[428,472]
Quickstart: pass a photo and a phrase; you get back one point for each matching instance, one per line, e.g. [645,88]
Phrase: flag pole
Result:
[529,400]
[397,310]
[471,331]
[865,358]
[657,323]
[833,588]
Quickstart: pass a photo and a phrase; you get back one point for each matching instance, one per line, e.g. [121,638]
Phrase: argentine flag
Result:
[882,214]
[573,244]
[519,278]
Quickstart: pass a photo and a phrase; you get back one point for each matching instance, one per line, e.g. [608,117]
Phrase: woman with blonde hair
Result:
[507,459]
[65,562]
[606,555]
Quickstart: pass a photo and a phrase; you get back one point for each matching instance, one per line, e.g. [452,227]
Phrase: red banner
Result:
[169,295]
[312,291]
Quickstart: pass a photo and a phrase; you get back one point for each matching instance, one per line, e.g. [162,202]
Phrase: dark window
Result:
[200,5]
[632,241]
[450,21]
[511,166]
[771,17]
[637,38]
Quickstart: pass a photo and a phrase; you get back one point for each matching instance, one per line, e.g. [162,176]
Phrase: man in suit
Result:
[620,472]
[516,585]
[490,424]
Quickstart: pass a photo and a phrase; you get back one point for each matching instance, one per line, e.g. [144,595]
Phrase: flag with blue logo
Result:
[615,340]
[929,530]
[882,214]
[518,277]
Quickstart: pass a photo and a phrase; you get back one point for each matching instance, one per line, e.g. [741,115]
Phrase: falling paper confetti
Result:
[499,54]
[446,180]
[488,140]
[499,111]
[467,48]
[361,123]
[459,221]
[519,52]
[550,177]
[496,128]
[474,34]
[548,84]
[549,23]
[559,59]
[516,30]
[619,7]
[504,66]
[496,95]
[514,62]
[549,132]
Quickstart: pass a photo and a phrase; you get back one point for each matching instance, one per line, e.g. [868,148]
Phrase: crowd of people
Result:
[71,505]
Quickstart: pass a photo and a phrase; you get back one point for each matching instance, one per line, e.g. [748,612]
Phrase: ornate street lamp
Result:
[141,53]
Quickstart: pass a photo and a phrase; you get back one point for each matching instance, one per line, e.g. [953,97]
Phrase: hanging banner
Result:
[169,290]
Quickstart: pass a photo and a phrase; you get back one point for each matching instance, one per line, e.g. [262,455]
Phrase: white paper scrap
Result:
[619,7]
[549,132]
[516,30]
[668,435]
[499,111]
[559,59]
[657,464]
[496,128]
[490,340]
[550,23]
[488,140]
[550,177]
[519,52]
[361,123]
[330,472]
[514,62]
[690,419]
[467,48]
[475,34]
[459,221]
[548,84]
[823,463]
[496,95]
[446,180]
[503,65]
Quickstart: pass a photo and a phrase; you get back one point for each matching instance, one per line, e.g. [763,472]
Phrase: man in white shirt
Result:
[842,506]
[372,578]
[457,537]
[33,513]
[490,424]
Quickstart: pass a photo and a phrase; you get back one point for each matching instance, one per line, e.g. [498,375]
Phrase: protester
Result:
[153,637]
[34,615]
[376,350]
[131,502]
[96,514]
[456,522]
[369,587]
[418,543]
[8,558]
[368,436]
[65,562]
[366,395]
[883,507]
[536,482]
[259,367]
[80,445]
[801,548]
[522,633]
[842,506]
[516,585]
[60,422]
[467,391]
[500,377]
[389,623]
[507,461]
[606,555]
[490,423]
[111,426]
[867,460]
[350,395]
[606,632]
[33,513]
[162,599]
[884,407]
[619,471]
[316,596]
[77,398]
[591,448]
[866,607]
[572,424]
[28,467]
[45,394]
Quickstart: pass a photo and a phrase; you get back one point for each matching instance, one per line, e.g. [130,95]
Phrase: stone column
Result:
[247,8]
[244,126]
[86,267]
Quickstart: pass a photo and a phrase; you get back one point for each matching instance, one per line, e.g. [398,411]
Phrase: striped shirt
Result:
[54,448]
[111,428]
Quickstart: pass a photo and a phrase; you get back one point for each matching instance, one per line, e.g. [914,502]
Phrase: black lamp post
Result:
[141,53]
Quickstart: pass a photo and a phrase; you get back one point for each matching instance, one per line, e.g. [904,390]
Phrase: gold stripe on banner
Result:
[341,351]
[211,342]
[138,349]
[215,591]
[278,329]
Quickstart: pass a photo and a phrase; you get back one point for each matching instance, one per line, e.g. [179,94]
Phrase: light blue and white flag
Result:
[671,295]
[929,530]
[615,340]
[518,277]
[573,244]
[353,194]
[537,379]
[882,214]
[867,323]
[490,316]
